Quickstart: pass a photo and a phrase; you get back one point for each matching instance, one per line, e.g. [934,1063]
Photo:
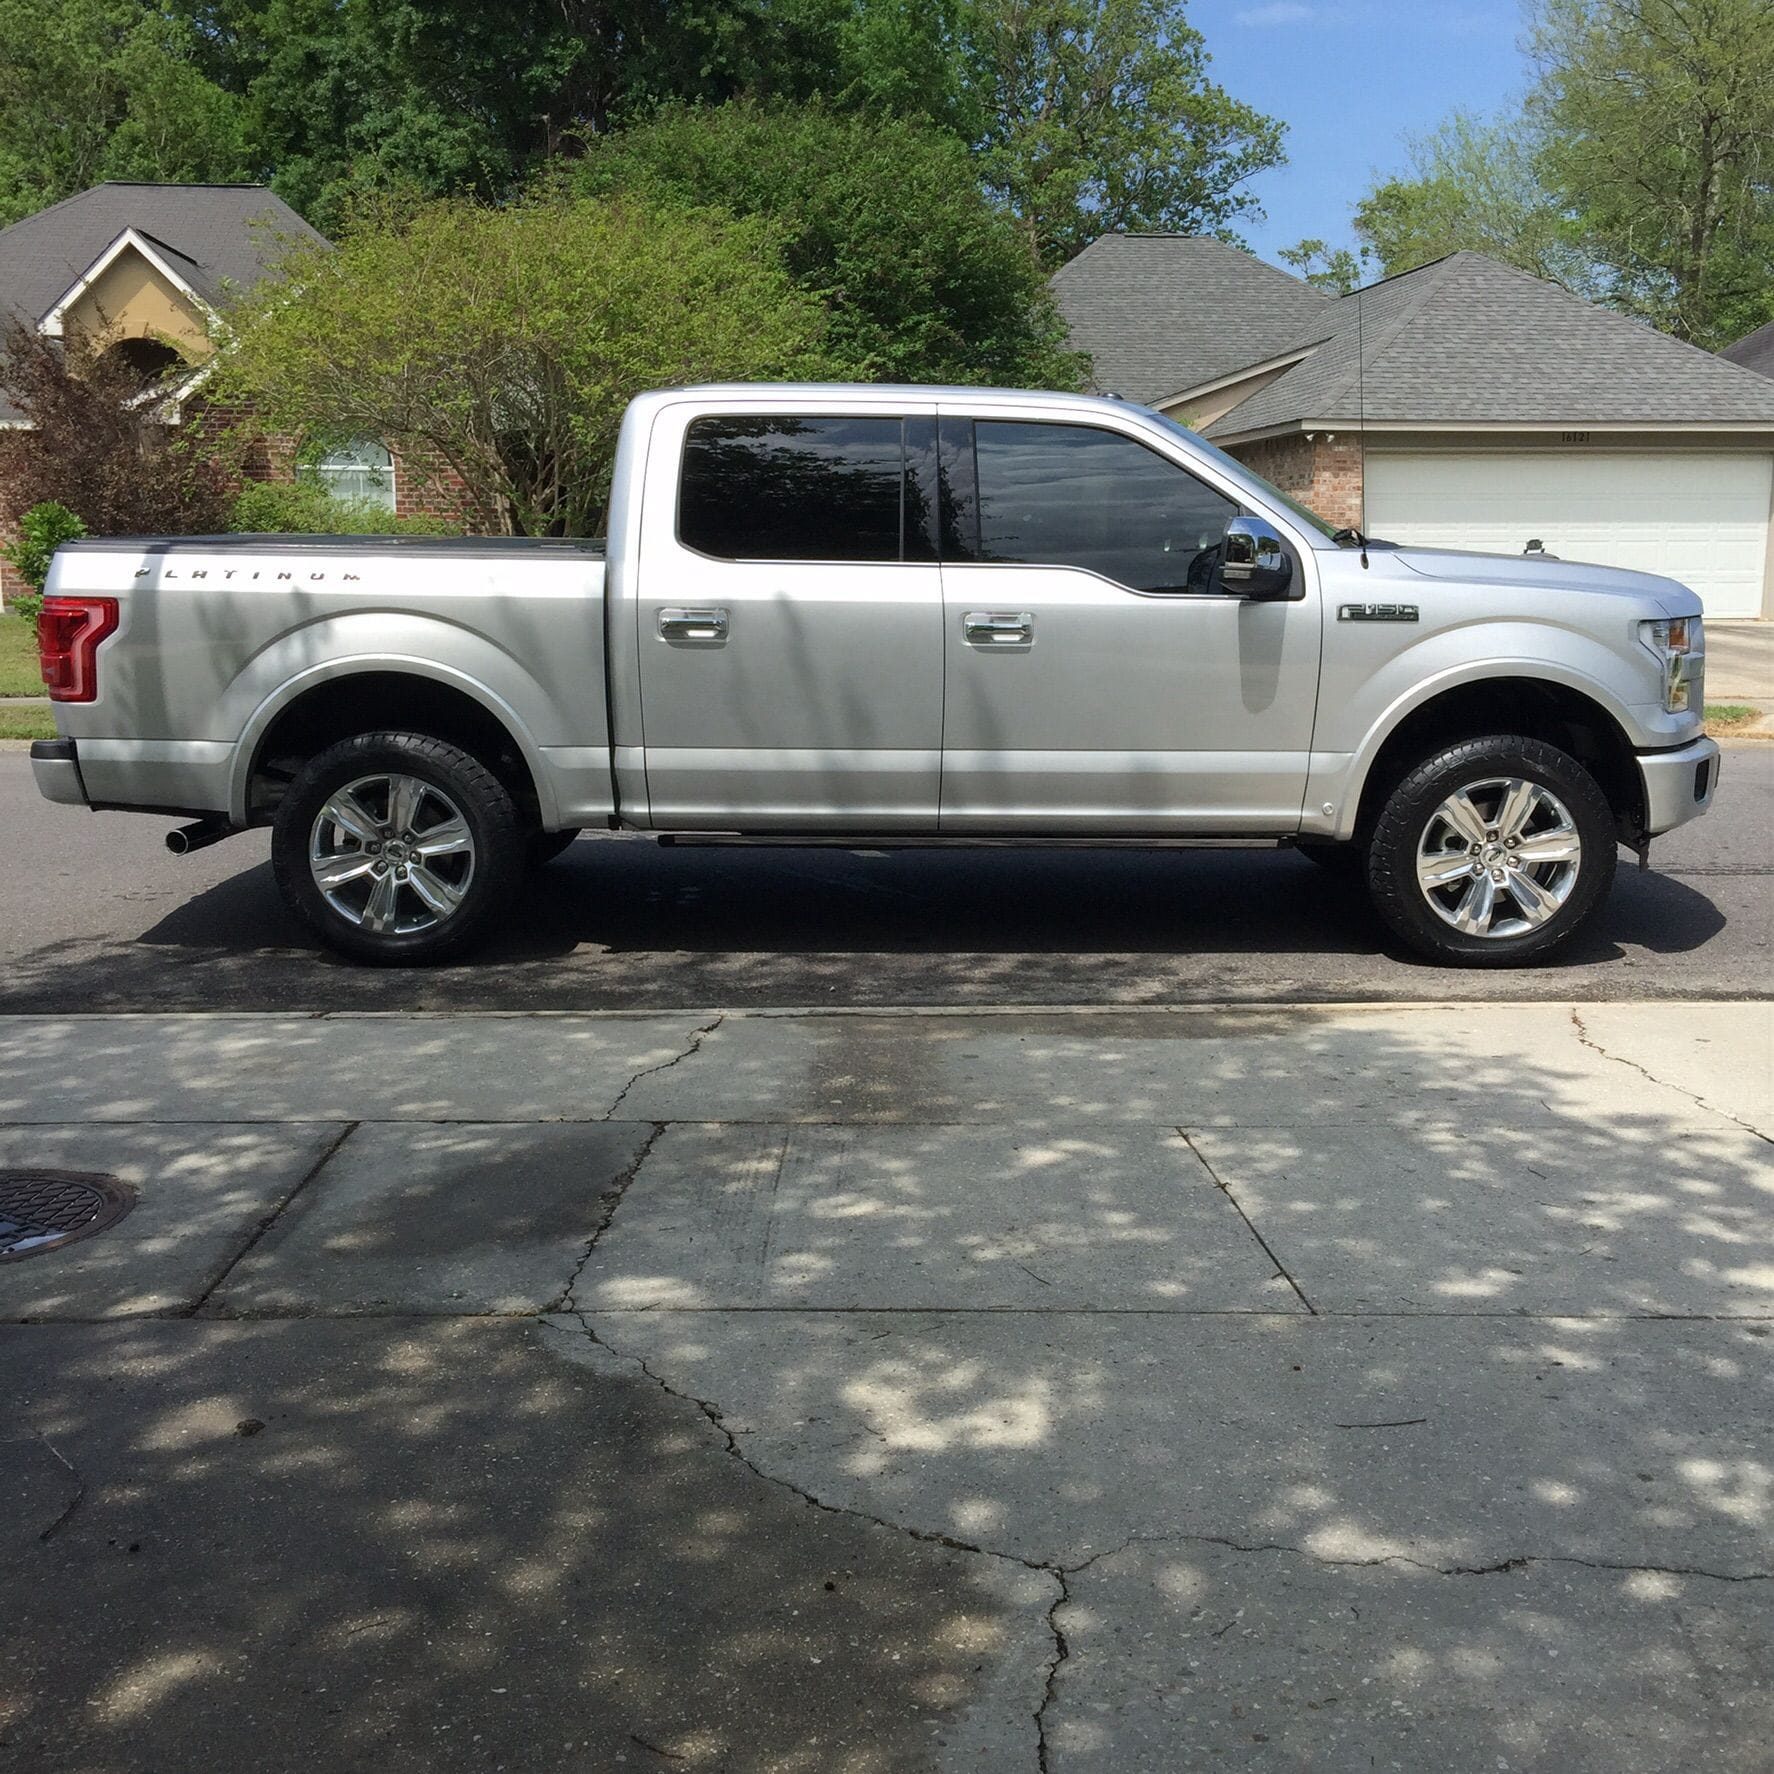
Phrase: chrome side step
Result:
[898,841]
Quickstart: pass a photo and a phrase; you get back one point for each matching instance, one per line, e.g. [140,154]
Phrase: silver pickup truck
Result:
[849,614]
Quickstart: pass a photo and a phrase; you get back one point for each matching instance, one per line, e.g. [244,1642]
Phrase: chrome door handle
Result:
[999,628]
[693,625]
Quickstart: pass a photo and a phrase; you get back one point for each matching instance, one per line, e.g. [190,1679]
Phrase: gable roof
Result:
[212,236]
[1162,312]
[1755,351]
[217,235]
[1467,340]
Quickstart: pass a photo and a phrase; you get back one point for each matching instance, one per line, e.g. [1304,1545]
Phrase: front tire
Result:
[1492,853]
[397,849]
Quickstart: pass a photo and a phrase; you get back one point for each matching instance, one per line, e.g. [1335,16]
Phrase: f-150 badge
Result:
[1376,612]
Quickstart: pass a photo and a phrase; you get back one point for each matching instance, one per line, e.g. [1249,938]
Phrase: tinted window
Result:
[1073,496]
[788,489]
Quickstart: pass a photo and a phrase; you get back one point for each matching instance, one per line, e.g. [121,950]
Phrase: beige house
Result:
[140,268]
[1463,404]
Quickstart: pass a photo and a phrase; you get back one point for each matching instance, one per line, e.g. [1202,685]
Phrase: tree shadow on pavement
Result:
[409,1545]
[624,923]
[1505,1499]
[1466,1460]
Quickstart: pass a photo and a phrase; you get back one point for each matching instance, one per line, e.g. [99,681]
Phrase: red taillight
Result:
[68,634]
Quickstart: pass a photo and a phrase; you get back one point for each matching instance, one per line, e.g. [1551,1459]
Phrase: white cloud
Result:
[1278,12]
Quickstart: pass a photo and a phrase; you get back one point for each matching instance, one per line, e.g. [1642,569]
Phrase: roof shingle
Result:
[1468,340]
[1755,351]
[1159,313]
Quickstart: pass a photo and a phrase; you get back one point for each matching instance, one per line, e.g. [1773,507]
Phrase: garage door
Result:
[1702,519]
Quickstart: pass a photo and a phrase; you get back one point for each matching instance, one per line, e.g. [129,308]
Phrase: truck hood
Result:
[1539,572]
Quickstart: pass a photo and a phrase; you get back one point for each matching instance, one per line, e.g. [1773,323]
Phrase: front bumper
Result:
[1678,784]
[56,767]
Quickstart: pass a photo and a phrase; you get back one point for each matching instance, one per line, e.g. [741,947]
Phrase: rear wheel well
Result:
[1532,708]
[382,701]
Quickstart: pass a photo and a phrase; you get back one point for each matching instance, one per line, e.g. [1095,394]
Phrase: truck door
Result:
[1097,678]
[790,625]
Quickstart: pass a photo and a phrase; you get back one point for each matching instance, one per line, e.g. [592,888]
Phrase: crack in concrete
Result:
[1516,1562]
[930,1536]
[1219,1183]
[697,1037]
[613,1198]
[278,1210]
[1594,1046]
[1062,1651]
[1061,1573]
[74,1502]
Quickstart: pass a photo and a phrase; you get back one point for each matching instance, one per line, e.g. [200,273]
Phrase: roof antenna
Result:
[1361,423]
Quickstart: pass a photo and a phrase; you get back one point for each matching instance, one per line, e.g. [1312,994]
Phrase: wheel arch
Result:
[1530,705]
[334,700]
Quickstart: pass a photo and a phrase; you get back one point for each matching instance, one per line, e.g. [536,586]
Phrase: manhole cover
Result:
[41,1210]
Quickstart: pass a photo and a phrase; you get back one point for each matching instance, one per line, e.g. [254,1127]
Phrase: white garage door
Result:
[1702,519]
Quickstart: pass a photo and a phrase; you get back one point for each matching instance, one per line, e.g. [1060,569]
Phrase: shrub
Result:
[101,444]
[506,343]
[300,508]
[41,531]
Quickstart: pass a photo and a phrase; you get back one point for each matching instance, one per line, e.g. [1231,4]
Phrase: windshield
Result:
[1311,518]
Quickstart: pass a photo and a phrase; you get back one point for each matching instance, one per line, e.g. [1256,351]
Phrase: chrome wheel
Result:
[1498,857]
[391,854]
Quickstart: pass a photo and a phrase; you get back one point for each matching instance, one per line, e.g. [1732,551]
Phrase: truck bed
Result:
[217,635]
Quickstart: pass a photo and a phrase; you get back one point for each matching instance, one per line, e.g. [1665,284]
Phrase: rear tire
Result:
[1492,853]
[397,849]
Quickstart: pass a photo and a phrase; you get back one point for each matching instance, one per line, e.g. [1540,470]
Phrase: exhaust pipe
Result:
[198,835]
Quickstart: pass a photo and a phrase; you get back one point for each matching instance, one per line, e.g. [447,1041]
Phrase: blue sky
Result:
[1352,79]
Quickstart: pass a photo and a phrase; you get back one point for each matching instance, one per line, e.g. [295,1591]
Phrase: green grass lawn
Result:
[18,658]
[26,723]
[1729,717]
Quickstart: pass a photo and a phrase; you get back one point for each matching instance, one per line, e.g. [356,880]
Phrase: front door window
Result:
[1077,496]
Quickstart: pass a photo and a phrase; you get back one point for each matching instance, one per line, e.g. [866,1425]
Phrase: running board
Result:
[862,841]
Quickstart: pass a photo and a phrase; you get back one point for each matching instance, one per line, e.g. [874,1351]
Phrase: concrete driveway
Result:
[1308,1388]
[1740,662]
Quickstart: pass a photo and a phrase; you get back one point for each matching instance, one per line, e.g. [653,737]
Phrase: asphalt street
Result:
[96,914]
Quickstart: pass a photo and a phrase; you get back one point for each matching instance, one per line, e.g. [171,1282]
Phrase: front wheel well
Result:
[1532,708]
[382,701]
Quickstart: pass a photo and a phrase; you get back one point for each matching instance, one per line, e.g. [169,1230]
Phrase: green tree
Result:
[455,97]
[1331,268]
[1640,171]
[1099,115]
[882,219]
[1656,127]
[510,340]
[1476,185]
[107,89]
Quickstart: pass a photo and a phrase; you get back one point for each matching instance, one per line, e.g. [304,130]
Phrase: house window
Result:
[361,470]
[145,359]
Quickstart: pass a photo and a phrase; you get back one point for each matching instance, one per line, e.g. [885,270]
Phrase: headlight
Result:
[1679,642]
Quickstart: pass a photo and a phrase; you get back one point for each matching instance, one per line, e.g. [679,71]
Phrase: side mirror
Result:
[1254,561]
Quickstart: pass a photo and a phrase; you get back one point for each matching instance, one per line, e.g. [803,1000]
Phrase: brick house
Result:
[1464,403]
[141,269]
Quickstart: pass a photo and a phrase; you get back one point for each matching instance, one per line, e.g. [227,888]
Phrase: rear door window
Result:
[780,487]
